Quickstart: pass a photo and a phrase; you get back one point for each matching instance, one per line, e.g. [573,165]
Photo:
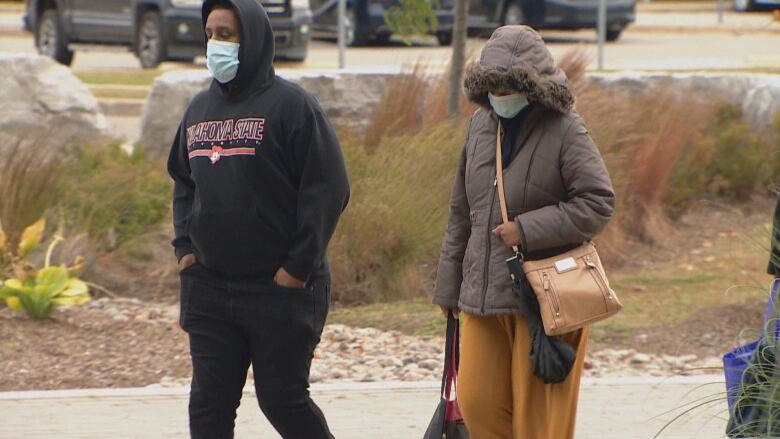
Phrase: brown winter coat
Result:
[557,187]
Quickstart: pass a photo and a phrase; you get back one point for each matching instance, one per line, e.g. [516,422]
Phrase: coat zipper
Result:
[528,174]
[488,245]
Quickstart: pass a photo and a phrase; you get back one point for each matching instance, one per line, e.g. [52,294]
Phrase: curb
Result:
[121,107]
[348,387]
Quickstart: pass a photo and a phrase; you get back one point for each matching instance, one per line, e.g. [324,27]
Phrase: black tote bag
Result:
[447,422]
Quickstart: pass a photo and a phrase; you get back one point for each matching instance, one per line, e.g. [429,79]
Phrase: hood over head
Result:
[516,60]
[256,54]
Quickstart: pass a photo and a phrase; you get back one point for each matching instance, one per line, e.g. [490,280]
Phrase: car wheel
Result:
[353,38]
[444,38]
[613,33]
[514,14]
[383,38]
[50,39]
[150,40]
[743,5]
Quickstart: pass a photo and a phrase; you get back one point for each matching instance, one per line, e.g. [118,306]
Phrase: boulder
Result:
[39,97]
[348,98]
[757,94]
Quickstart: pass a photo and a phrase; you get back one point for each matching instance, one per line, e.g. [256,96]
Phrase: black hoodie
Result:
[259,177]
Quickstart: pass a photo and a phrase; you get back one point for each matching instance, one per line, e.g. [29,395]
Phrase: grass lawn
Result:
[727,270]
[139,77]
[120,92]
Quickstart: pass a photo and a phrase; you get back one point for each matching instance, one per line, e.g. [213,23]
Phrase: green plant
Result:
[112,196]
[726,158]
[38,292]
[412,17]
[756,411]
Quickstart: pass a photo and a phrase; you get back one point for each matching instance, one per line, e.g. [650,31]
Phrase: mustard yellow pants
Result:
[498,394]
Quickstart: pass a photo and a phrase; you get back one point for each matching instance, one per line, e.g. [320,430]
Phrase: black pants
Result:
[233,322]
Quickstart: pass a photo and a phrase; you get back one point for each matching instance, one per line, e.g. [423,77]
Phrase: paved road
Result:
[661,39]
[609,409]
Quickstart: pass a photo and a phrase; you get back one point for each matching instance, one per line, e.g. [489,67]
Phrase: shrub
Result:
[38,292]
[112,196]
[397,214]
[725,158]
[28,174]
[662,151]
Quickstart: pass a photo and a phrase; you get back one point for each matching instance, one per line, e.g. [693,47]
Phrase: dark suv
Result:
[154,30]
[365,21]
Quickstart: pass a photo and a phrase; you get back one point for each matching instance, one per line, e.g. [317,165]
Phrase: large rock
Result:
[348,98]
[40,98]
[757,94]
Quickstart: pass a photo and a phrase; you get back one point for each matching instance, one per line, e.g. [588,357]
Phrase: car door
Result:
[484,13]
[324,15]
[103,21]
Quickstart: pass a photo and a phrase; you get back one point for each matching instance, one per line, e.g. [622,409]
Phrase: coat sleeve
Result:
[449,274]
[183,192]
[323,191]
[774,256]
[590,203]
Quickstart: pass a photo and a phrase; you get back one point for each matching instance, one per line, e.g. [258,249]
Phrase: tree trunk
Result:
[458,61]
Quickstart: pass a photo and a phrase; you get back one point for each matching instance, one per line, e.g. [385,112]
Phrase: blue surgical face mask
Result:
[508,106]
[222,60]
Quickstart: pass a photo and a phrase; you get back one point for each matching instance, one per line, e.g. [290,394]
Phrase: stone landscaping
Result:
[370,355]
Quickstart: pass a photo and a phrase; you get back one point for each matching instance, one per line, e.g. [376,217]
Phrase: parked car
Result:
[552,14]
[365,20]
[756,5]
[154,30]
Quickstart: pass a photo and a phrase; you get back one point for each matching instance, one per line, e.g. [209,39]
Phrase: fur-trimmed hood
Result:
[515,60]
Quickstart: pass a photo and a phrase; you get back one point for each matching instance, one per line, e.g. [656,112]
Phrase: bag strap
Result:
[451,354]
[500,182]
[452,368]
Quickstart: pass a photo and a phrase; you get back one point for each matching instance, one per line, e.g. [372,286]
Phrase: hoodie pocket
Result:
[238,241]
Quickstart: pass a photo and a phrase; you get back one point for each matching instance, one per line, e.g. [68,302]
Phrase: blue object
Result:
[736,361]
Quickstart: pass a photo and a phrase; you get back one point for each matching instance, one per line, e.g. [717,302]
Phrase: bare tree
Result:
[458,62]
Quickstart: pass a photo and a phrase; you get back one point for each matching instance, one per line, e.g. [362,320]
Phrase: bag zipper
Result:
[596,274]
[488,245]
[547,285]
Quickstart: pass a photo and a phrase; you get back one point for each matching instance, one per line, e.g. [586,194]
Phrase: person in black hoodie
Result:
[259,185]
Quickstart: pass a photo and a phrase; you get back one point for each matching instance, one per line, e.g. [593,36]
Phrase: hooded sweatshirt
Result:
[259,176]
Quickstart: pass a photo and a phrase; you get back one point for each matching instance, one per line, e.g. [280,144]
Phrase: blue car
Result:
[756,5]
[551,14]
[365,21]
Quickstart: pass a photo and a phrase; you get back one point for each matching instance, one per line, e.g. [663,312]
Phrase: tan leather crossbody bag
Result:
[572,288]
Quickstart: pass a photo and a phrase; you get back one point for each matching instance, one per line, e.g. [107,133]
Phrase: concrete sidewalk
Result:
[623,408]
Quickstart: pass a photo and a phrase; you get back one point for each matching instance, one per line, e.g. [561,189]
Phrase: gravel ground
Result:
[132,343]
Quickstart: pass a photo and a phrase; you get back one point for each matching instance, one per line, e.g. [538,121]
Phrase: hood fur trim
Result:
[547,90]
[516,60]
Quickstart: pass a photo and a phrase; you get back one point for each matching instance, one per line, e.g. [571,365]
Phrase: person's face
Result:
[223,25]
[501,93]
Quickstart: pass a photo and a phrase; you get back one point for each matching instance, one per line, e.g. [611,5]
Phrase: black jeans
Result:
[233,322]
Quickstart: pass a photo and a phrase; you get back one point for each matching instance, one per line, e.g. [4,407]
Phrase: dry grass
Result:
[387,244]
[28,176]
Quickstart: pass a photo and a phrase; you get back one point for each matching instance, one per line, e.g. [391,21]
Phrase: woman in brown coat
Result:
[558,194]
